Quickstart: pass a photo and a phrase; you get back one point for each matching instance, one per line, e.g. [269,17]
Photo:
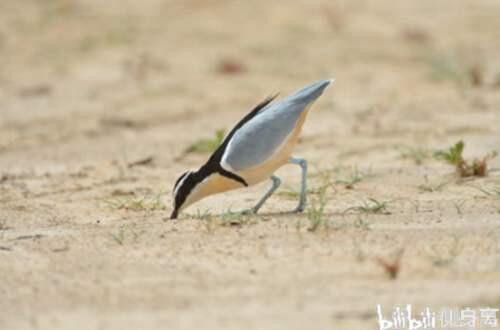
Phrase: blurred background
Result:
[74,67]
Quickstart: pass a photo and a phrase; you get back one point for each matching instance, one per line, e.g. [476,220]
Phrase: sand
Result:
[98,103]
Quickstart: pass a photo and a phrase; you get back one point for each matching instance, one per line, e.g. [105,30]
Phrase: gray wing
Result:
[257,140]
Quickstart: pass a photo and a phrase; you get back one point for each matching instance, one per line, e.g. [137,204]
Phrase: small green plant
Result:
[355,177]
[488,192]
[205,146]
[359,223]
[204,216]
[454,156]
[317,194]
[324,175]
[135,203]
[235,218]
[316,212]
[291,194]
[496,191]
[370,206]
[207,218]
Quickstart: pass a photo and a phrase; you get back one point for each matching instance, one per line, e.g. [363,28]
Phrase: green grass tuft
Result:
[137,203]
[489,192]
[354,177]
[236,218]
[316,212]
[370,206]
[205,146]
[453,155]
[464,168]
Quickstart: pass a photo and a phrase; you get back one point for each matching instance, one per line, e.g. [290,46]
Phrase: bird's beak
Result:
[174,214]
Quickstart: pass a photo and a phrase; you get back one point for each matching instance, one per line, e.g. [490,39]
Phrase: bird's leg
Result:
[276,184]
[303,188]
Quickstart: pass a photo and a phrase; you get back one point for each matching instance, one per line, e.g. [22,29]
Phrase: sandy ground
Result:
[87,90]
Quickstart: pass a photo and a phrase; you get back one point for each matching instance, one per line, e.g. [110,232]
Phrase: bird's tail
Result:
[309,93]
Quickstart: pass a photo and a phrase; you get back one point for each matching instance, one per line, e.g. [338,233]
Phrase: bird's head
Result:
[183,188]
[188,189]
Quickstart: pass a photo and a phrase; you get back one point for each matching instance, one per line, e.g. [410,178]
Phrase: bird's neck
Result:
[210,184]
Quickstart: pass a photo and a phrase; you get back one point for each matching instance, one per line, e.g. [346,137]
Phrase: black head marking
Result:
[183,187]
[180,179]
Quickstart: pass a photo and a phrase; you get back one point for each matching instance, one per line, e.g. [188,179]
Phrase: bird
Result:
[259,144]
